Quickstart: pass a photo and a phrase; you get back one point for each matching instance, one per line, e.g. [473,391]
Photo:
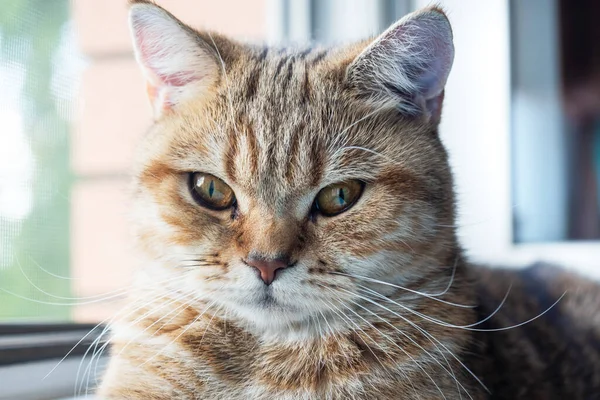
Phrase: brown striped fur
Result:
[277,126]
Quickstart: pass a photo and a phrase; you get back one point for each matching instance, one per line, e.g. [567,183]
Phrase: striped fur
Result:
[277,125]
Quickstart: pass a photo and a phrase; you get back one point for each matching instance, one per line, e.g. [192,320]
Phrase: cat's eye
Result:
[210,191]
[339,197]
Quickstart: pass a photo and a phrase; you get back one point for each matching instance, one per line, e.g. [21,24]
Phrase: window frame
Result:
[61,351]
[20,343]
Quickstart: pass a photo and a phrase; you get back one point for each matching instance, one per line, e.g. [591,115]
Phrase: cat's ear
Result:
[406,67]
[175,61]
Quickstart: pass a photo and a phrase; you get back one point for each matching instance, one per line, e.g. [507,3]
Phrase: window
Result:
[556,120]
[35,106]
[500,45]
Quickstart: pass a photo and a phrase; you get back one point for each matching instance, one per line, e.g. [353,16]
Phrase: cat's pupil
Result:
[211,188]
[341,197]
[212,192]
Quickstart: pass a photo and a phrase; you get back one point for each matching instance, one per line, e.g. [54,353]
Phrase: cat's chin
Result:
[267,315]
[268,310]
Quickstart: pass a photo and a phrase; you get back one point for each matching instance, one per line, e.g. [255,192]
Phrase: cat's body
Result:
[297,213]
[555,356]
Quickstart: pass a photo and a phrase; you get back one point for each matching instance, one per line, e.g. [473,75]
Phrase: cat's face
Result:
[269,176]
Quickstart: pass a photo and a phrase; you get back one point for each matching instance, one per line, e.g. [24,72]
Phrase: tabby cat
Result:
[297,212]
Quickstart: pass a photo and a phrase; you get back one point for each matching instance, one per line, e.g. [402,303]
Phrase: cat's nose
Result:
[267,266]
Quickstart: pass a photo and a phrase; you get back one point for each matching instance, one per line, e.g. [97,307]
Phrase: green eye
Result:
[210,191]
[339,197]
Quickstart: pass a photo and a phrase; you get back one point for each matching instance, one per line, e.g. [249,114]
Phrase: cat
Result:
[297,215]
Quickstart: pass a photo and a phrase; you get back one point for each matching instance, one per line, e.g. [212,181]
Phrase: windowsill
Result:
[20,343]
[26,381]
[29,352]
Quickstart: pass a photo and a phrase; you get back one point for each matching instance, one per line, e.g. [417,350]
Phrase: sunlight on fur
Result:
[297,215]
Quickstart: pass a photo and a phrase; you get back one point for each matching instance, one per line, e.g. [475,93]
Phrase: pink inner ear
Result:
[433,53]
[152,57]
[180,79]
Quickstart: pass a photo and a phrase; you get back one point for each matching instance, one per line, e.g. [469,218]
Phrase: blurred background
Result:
[521,121]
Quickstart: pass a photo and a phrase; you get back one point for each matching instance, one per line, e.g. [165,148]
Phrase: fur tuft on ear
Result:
[175,61]
[407,66]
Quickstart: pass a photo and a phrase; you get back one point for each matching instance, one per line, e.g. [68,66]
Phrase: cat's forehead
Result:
[284,118]
[282,127]
[279,90]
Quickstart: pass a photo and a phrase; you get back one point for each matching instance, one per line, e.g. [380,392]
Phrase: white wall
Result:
[476,123]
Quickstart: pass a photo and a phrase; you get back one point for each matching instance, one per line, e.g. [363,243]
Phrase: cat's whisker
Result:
[334,312]
[105,322]
[179,308]
[456,358]
[96,357]
[163,304]
[393,342]
[427,334]
[132,323]
[77,344]
[199,265]
[108,295]
[208,324]
[368,151]
[200,261]
[450,282]
[429,337]
[434,298]
[470,326]
[196,319]
[448,371]
[187,304]
[57,276]
[177,312]
[331,330]
[372,326]
[342,315]
[78,385]
[54,303]
[385,321]
[368,115]
[414,311]
[320,330]
[496,329]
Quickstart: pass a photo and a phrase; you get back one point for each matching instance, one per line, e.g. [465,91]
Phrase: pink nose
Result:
[267,266]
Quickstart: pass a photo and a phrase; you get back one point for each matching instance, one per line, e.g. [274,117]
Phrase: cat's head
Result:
[274,184]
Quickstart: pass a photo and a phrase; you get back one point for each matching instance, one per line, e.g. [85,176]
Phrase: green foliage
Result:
[30,35]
